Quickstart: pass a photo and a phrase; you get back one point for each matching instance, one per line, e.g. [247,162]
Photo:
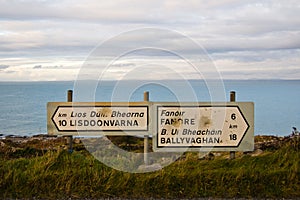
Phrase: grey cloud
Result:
[225,25]
[240,31]
[37,67]
[257,56]
[48,67]
[91,10]
[4,66]
[53,67]
[10,72]
[155,12]
[124,65]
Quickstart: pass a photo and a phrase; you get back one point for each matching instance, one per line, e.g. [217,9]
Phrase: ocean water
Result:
[277,102]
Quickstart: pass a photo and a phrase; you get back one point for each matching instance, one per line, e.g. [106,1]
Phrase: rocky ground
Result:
[16,146]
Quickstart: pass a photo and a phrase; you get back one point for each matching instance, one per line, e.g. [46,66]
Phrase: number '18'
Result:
[233,137]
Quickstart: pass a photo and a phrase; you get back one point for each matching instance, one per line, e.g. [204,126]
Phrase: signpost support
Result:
[232,99]
[146,138]
[184,126]
[70,138]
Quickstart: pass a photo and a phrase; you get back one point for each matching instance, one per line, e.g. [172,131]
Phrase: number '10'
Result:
[62,123]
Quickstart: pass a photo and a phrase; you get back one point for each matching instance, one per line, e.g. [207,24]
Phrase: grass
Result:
[59,175]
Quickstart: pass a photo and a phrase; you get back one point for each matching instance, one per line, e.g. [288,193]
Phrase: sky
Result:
[53,40]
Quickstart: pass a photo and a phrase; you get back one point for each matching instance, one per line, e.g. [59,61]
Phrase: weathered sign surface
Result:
[174,126]
[202,126]
[73,118]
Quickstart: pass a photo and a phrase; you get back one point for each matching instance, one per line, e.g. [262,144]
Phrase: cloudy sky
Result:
[52,39]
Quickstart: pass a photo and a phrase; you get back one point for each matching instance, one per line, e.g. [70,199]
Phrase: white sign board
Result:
[227,126]
[173,126]
[72,118]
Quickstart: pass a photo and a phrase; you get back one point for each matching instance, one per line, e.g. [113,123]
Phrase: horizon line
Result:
[114,80]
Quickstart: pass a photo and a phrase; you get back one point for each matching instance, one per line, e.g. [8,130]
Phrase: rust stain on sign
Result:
[205,121]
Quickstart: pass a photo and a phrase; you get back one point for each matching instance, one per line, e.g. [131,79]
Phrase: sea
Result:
[23,105]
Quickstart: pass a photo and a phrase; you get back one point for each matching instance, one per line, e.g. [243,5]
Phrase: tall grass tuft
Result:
[59,175]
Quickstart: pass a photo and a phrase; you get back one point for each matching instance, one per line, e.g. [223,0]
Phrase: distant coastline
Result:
[142,80]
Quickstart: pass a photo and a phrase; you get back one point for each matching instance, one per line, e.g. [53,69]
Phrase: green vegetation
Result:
[58,174]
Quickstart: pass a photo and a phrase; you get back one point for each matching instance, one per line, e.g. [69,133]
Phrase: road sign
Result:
[203,126]
[100,118]
[175,126]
